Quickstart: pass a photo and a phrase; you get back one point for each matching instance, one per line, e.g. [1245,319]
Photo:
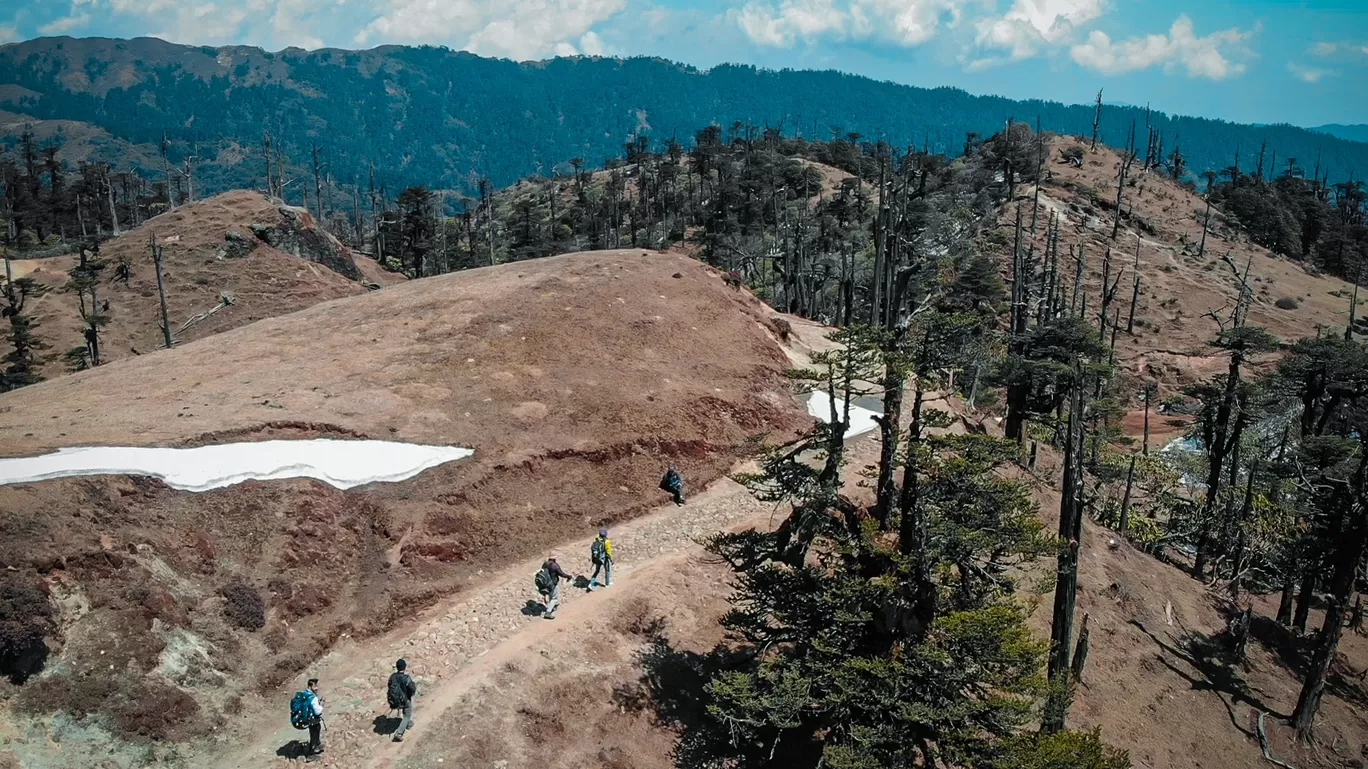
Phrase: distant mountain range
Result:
[1357,132]
[441,118]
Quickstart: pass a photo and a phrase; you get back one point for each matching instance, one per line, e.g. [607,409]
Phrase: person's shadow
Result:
[294,750]
[533,608]
[385,724]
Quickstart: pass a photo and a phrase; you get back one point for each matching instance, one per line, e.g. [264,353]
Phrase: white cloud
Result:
[64,25]
[527,29]
[1030,25]
[1308,74]
[1213,57]
[8,33]
[1324,49]
[902,22]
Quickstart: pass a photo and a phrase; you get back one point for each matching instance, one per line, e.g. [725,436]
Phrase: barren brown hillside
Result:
[1178,288]
[575,379]
[272,259]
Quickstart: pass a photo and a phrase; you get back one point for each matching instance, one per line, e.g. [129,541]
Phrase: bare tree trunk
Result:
[1097,119]
[1349,552]
[1124,524]
[1080,655]
[1135,287]
[161,291]
[1289,587]
[1305,596]
[1066,584]
[113,215]
[1206,222]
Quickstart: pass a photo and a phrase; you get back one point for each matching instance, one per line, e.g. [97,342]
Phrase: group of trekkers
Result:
[306,708]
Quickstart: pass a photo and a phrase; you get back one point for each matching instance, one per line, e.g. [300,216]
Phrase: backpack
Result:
[301,710]
[598,552]
[545,581]
[670,481]
[398,692]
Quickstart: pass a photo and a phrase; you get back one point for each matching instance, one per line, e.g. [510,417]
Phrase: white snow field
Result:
[343,464]
[861,419]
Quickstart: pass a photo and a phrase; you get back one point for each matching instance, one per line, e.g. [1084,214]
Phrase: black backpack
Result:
[545,582]
[398,691]
[598,552]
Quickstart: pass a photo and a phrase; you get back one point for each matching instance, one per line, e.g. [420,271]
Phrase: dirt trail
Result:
[457,643]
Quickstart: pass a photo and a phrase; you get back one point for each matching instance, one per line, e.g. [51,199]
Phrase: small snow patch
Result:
[861,419]
[343,464]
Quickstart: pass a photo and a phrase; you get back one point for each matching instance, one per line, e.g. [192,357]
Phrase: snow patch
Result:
[861,419]
[343,464]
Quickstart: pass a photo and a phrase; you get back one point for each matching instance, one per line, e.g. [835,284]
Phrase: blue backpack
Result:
[301,710]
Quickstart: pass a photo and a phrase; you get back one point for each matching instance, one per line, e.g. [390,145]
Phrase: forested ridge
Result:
[443,119]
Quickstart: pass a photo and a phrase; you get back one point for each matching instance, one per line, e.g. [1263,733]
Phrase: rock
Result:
[238,245]
[293,236]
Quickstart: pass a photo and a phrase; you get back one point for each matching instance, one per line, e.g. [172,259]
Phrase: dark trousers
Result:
[316,736]
[678,492]
[406,722]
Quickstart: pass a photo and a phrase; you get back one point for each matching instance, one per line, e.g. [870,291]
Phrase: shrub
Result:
[1065,750]
[154,710]
[26,618]
[1287,303]
[244,607]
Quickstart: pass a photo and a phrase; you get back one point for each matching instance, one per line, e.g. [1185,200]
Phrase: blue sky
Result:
[1262,61]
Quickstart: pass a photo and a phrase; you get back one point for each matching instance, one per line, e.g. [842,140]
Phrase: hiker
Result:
[306,712]
[673,483]
[402,690]
[548,585]
[601,554]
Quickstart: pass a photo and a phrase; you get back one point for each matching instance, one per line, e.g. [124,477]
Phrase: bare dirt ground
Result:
[575,379]
[198,267]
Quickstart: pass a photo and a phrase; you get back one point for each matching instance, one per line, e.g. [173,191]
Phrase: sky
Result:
[1255,61]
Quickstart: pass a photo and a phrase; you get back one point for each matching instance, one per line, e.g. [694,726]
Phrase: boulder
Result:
[294,236]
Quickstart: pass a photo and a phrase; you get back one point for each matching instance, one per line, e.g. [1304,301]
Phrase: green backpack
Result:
[301,710]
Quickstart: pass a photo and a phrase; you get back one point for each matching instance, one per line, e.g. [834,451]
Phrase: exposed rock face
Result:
[237,245]
[294,237]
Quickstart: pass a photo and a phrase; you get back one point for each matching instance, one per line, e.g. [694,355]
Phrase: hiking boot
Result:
[398,738]
[549,616]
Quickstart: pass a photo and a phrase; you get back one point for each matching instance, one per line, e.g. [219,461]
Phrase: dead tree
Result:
[113,214]
[166,169]
[1135,287]
[161,290]
[1127,157]
[1080,655]
[1097,119]
[318,185]
[1066,583]
[1206,222]
[1124,523]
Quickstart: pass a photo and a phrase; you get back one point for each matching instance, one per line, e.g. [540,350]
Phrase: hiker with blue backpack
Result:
[401,691]
[601,555]
[673,482]
[547,582]
[306,712]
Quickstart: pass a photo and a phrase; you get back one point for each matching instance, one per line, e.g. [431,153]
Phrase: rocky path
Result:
[458,641]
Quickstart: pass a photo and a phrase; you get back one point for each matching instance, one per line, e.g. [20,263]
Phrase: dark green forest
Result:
[443,119]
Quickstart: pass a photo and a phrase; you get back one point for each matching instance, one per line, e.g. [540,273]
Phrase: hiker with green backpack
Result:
[547,582]
[306,712]
[601,555]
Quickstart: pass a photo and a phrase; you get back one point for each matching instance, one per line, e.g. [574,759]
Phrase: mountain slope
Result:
[434,117]
[1357,132]
[210,248]
[574,379]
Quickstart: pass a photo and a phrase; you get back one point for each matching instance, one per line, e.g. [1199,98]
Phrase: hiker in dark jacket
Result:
[401,692]
[548,584]
[601,555]
[673,482]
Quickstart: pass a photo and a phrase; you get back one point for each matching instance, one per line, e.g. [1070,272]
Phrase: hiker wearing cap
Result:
[548,585]
[401,692]
[601,555]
